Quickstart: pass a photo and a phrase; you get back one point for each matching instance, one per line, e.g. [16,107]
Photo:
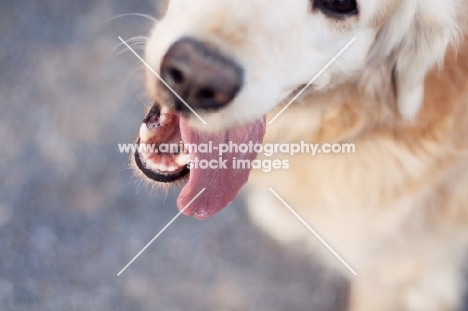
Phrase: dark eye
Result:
[337,8]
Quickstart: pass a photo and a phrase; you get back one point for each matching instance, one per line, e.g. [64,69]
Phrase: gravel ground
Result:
[71,213]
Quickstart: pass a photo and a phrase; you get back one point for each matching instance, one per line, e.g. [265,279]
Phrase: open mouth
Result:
[166,165]
[169,148]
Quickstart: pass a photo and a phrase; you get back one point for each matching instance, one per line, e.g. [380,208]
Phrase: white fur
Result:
[283,45]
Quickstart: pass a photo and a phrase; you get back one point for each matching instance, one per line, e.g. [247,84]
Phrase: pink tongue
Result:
[222,184]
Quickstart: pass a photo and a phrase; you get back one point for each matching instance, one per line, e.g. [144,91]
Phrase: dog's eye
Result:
[337,8]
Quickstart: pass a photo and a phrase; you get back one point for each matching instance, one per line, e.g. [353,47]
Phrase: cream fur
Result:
[397,210]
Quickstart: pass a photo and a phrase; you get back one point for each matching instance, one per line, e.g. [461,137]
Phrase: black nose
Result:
[201,75]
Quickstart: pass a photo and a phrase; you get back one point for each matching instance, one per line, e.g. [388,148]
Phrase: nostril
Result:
[211,98]
[206,94]
[175,76]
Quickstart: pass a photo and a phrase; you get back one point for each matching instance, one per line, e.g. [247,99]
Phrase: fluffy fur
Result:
[397,210]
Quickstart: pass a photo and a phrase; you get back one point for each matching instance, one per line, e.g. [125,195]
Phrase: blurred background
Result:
[71,213]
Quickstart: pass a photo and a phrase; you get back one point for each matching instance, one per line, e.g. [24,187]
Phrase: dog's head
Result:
[228,63]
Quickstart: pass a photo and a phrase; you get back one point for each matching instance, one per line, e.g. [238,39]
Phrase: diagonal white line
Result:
[312,81]
[313,231]
[160,232]
[161,79]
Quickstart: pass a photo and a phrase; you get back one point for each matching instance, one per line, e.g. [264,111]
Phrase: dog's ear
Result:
[415,40]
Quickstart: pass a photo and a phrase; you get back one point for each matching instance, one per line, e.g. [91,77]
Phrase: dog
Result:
[396,210]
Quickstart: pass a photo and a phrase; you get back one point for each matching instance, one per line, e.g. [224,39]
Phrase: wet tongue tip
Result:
[222,184]
[209,203]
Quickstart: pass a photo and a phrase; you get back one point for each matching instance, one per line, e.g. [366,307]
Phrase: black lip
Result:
[155,112]
[164,178]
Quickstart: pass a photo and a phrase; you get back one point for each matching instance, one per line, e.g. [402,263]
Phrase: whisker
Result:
[143,98]
[148,17]
[136,38]
[138,67]
[134,41]
[136,45]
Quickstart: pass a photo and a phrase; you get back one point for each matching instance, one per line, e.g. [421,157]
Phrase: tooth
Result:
[172,168]
[163,119]
[162,168]
[145,133]
[182,159]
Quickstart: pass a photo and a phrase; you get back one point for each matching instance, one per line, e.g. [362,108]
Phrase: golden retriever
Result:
[396,210]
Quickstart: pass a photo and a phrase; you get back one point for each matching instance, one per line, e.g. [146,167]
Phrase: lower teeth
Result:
[183,159]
